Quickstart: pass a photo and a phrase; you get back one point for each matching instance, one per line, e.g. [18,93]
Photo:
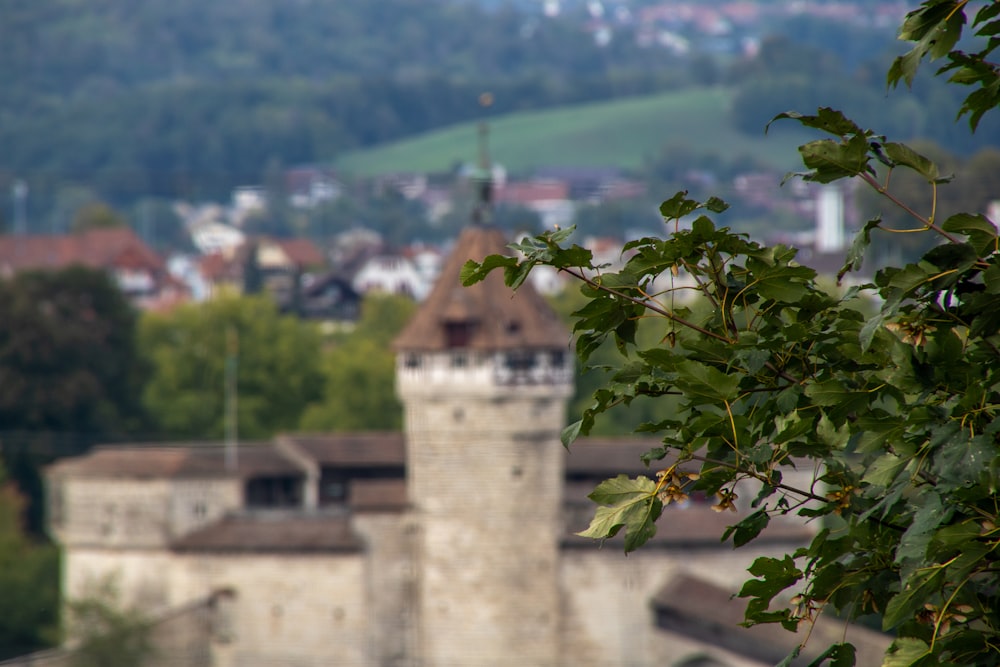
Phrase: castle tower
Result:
[484,374]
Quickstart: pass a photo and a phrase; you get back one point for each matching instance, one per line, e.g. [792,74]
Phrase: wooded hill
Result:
[187,99]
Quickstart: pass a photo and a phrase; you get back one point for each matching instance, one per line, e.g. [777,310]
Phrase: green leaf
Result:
[856,254]
[774,575]
[474,272]
[982,233]
[716,205]
[678,206]
[569,434]
[906,280]
[625,503]
[919,589]
[951,256]
[790,658]
[907,157]
[839,655]
[697,379]
[622,489]
[833,394]
[831,160]
[785,284]
[929,515]
[884,470]
[935,28]
[747,529]
[905,652]
[829,120]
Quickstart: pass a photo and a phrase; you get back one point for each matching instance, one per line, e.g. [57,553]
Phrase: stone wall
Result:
[307,610]
[485,470]
[287,610]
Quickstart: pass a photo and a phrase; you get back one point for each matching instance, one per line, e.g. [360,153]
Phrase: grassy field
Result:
[619,133]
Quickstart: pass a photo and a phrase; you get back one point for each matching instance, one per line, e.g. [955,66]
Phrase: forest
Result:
[187,100]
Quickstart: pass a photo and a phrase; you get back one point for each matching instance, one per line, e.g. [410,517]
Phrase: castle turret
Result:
[484,374]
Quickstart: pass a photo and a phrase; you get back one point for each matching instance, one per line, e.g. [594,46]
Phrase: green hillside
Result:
[619,133]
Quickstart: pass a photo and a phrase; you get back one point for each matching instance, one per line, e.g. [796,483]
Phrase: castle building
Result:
[448,545]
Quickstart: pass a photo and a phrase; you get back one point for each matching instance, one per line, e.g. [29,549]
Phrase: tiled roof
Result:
[378,495]
[175,461]
[302,252]
[274,532]
[498,318]
[587,457]
[533,191]
[347,450]
[102,248]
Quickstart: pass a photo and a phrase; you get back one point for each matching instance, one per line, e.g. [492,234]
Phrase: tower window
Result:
[412,361]
[273,492]
[520,361]
[333,489]
[457,334]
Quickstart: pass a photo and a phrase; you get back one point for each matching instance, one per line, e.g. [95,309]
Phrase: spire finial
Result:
[484,171]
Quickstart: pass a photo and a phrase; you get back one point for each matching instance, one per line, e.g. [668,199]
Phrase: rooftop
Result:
[494,316]
[273,532]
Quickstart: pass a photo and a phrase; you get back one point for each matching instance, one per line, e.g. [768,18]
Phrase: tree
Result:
[898,413]
[359,372]
[67,355]
[69,371]
[96,215]
[188,349]
[29,579]
[106,633]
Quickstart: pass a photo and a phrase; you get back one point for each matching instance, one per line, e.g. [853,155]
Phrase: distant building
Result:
[309,187]
[138,271]
[548,198]
[447,545]
[212,237]
[391,274]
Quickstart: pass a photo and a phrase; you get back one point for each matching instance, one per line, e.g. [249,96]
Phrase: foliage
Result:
[897,413]
[29,579]
[106,634]
[600,365]
[95,215]
[359,371]
[67,359]
[69,370]
[203,115]
[188,351]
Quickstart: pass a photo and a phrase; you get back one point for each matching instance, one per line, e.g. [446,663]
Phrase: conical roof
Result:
[490,314]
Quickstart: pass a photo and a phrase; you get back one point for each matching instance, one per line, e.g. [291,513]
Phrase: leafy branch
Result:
[890,410]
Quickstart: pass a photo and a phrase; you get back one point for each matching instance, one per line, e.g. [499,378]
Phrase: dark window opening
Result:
[274,492]
[520,361]
[332,489]
[558,358]
[457,334]
[459,361]
[412,361]
[335,483]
